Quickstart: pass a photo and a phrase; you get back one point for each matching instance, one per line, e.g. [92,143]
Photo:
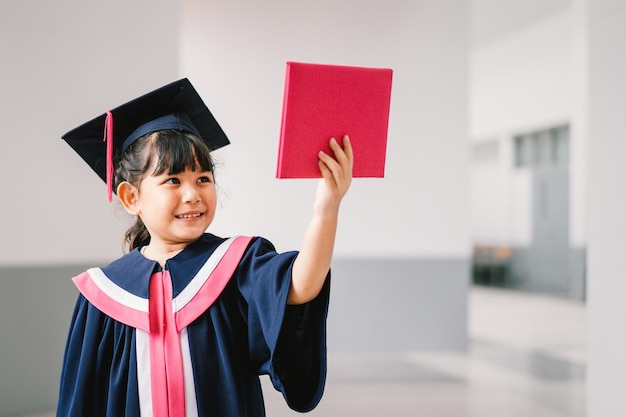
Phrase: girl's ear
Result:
[128,195]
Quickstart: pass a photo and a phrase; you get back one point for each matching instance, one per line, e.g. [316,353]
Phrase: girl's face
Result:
[178,208]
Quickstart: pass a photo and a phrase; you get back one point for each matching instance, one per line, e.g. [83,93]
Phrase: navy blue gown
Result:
[190,339]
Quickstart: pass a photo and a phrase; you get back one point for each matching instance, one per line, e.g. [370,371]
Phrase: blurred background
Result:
[482,276]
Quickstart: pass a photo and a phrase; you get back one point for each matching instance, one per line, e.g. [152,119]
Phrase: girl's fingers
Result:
[343,154]
[326,173]
[328,165]
[337,169]
[346,149]
[337,176]
[337,150]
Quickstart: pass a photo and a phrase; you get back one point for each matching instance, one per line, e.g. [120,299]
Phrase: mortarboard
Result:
[174,106]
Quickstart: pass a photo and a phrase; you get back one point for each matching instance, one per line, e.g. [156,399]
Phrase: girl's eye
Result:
[172,181]
[204,179]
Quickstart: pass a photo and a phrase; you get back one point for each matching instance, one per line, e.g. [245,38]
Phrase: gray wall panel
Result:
[36,304]
[398,305]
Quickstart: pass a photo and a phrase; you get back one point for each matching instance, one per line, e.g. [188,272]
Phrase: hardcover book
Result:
[330,101]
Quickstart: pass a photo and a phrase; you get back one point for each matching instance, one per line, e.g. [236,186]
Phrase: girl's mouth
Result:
[189,216]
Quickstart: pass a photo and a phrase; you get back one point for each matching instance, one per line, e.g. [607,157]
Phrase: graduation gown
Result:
[190,339]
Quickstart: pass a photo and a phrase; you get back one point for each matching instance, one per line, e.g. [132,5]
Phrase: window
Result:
[542,148]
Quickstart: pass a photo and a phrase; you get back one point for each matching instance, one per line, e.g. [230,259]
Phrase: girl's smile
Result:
[189,216]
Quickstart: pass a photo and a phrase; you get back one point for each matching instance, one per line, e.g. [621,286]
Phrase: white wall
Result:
[500,197]
[523,79]
[64,62]
[235,53]
[606,371]
[530,78]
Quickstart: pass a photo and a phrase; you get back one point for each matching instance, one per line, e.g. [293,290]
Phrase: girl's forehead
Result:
[184,171]
[170,161]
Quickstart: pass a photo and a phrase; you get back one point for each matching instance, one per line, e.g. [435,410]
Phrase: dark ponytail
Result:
[170,151]
[136,236]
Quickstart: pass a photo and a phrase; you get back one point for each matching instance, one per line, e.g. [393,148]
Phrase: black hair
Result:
[170,151]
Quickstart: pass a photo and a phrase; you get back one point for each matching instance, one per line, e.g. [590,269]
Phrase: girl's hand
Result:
[337,176]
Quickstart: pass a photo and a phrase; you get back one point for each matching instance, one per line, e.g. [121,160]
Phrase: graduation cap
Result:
[174,106]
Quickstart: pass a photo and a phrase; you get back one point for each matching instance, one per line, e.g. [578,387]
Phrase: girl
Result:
[184,323]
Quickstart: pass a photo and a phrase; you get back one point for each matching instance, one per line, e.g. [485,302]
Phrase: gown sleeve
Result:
[287,342]
[98,355]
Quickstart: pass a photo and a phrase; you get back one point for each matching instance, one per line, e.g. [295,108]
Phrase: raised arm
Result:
[313,262]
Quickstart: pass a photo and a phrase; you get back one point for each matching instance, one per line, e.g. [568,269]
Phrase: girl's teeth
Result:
[188,216]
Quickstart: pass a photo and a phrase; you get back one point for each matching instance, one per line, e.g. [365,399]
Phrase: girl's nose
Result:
[191,194]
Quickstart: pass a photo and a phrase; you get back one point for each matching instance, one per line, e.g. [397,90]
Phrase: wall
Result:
[63,62]
[412,224]
[522,81]
[606,371]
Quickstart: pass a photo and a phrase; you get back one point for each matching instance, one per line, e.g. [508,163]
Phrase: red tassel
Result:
[108,138]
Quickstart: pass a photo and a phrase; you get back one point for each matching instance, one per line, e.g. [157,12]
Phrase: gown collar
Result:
[132,271]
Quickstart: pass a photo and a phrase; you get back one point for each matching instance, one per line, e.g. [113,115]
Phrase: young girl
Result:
[184,323]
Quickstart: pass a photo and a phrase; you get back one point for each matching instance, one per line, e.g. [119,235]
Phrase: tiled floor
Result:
[526,359]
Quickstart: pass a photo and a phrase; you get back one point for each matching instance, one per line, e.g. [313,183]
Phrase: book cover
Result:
[324,101]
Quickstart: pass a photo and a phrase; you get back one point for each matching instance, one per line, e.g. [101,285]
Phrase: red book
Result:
[326,101]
